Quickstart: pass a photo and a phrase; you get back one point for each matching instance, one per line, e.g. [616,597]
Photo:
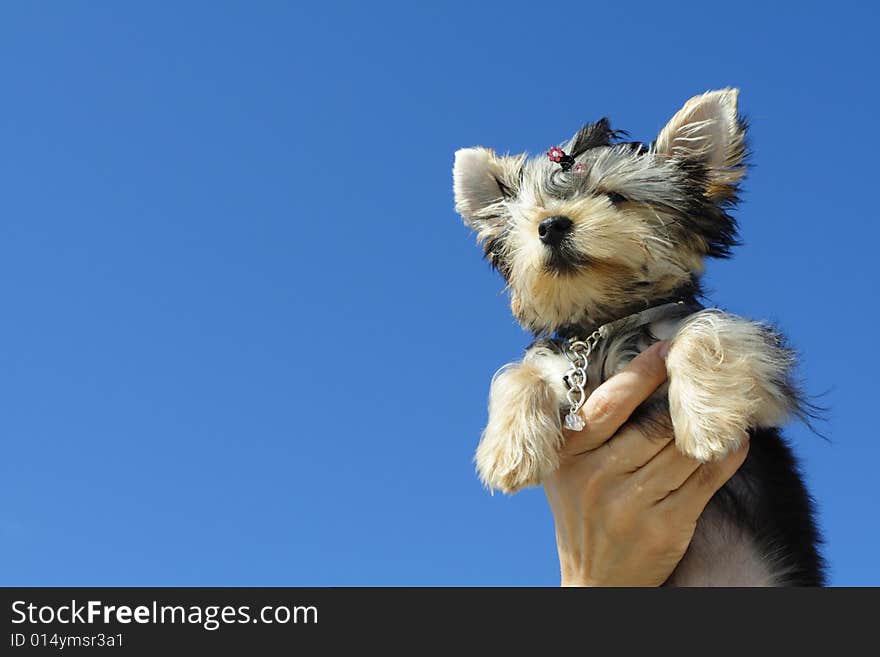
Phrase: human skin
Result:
[625,503]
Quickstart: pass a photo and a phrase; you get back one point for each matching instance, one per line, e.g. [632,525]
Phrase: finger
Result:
[666,472]
[635,444]
[695,493]
[609,406]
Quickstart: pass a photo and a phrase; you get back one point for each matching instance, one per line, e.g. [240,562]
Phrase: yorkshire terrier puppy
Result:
[602,244]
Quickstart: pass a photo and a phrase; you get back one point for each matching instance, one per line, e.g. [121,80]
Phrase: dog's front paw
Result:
[706,436]
[520,444]
[726,375]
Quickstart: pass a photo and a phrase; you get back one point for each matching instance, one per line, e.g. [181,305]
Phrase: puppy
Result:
[602,243]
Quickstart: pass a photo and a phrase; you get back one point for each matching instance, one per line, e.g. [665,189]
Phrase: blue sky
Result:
[247,341]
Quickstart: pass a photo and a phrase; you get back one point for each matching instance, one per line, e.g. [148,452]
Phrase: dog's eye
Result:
[616,198]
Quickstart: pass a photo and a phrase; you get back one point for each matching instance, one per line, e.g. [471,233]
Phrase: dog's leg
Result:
[726,375]
[520,444]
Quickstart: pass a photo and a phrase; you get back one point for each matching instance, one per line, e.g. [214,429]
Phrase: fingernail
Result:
[664,349]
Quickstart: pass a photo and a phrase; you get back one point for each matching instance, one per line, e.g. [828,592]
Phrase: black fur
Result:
[767,495]
[594,135]
[493,251]
[707,217]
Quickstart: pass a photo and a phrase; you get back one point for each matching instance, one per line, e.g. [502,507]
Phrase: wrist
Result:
[574,574]
[575,582]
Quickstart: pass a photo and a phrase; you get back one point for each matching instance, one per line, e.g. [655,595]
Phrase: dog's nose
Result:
[554,229]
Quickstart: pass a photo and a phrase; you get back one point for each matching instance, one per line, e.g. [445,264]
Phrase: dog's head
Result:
[599,225]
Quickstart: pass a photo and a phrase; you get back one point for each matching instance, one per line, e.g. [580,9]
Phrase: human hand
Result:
[625,501]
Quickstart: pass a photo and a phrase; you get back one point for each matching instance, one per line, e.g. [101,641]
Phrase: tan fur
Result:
[724,377]
[707,128]
[614,241]
[520,444]
[476,175]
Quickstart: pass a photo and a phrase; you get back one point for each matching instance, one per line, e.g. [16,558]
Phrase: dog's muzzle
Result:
[553,230]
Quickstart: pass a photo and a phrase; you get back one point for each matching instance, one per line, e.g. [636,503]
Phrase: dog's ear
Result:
[708,132]
[482,180]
